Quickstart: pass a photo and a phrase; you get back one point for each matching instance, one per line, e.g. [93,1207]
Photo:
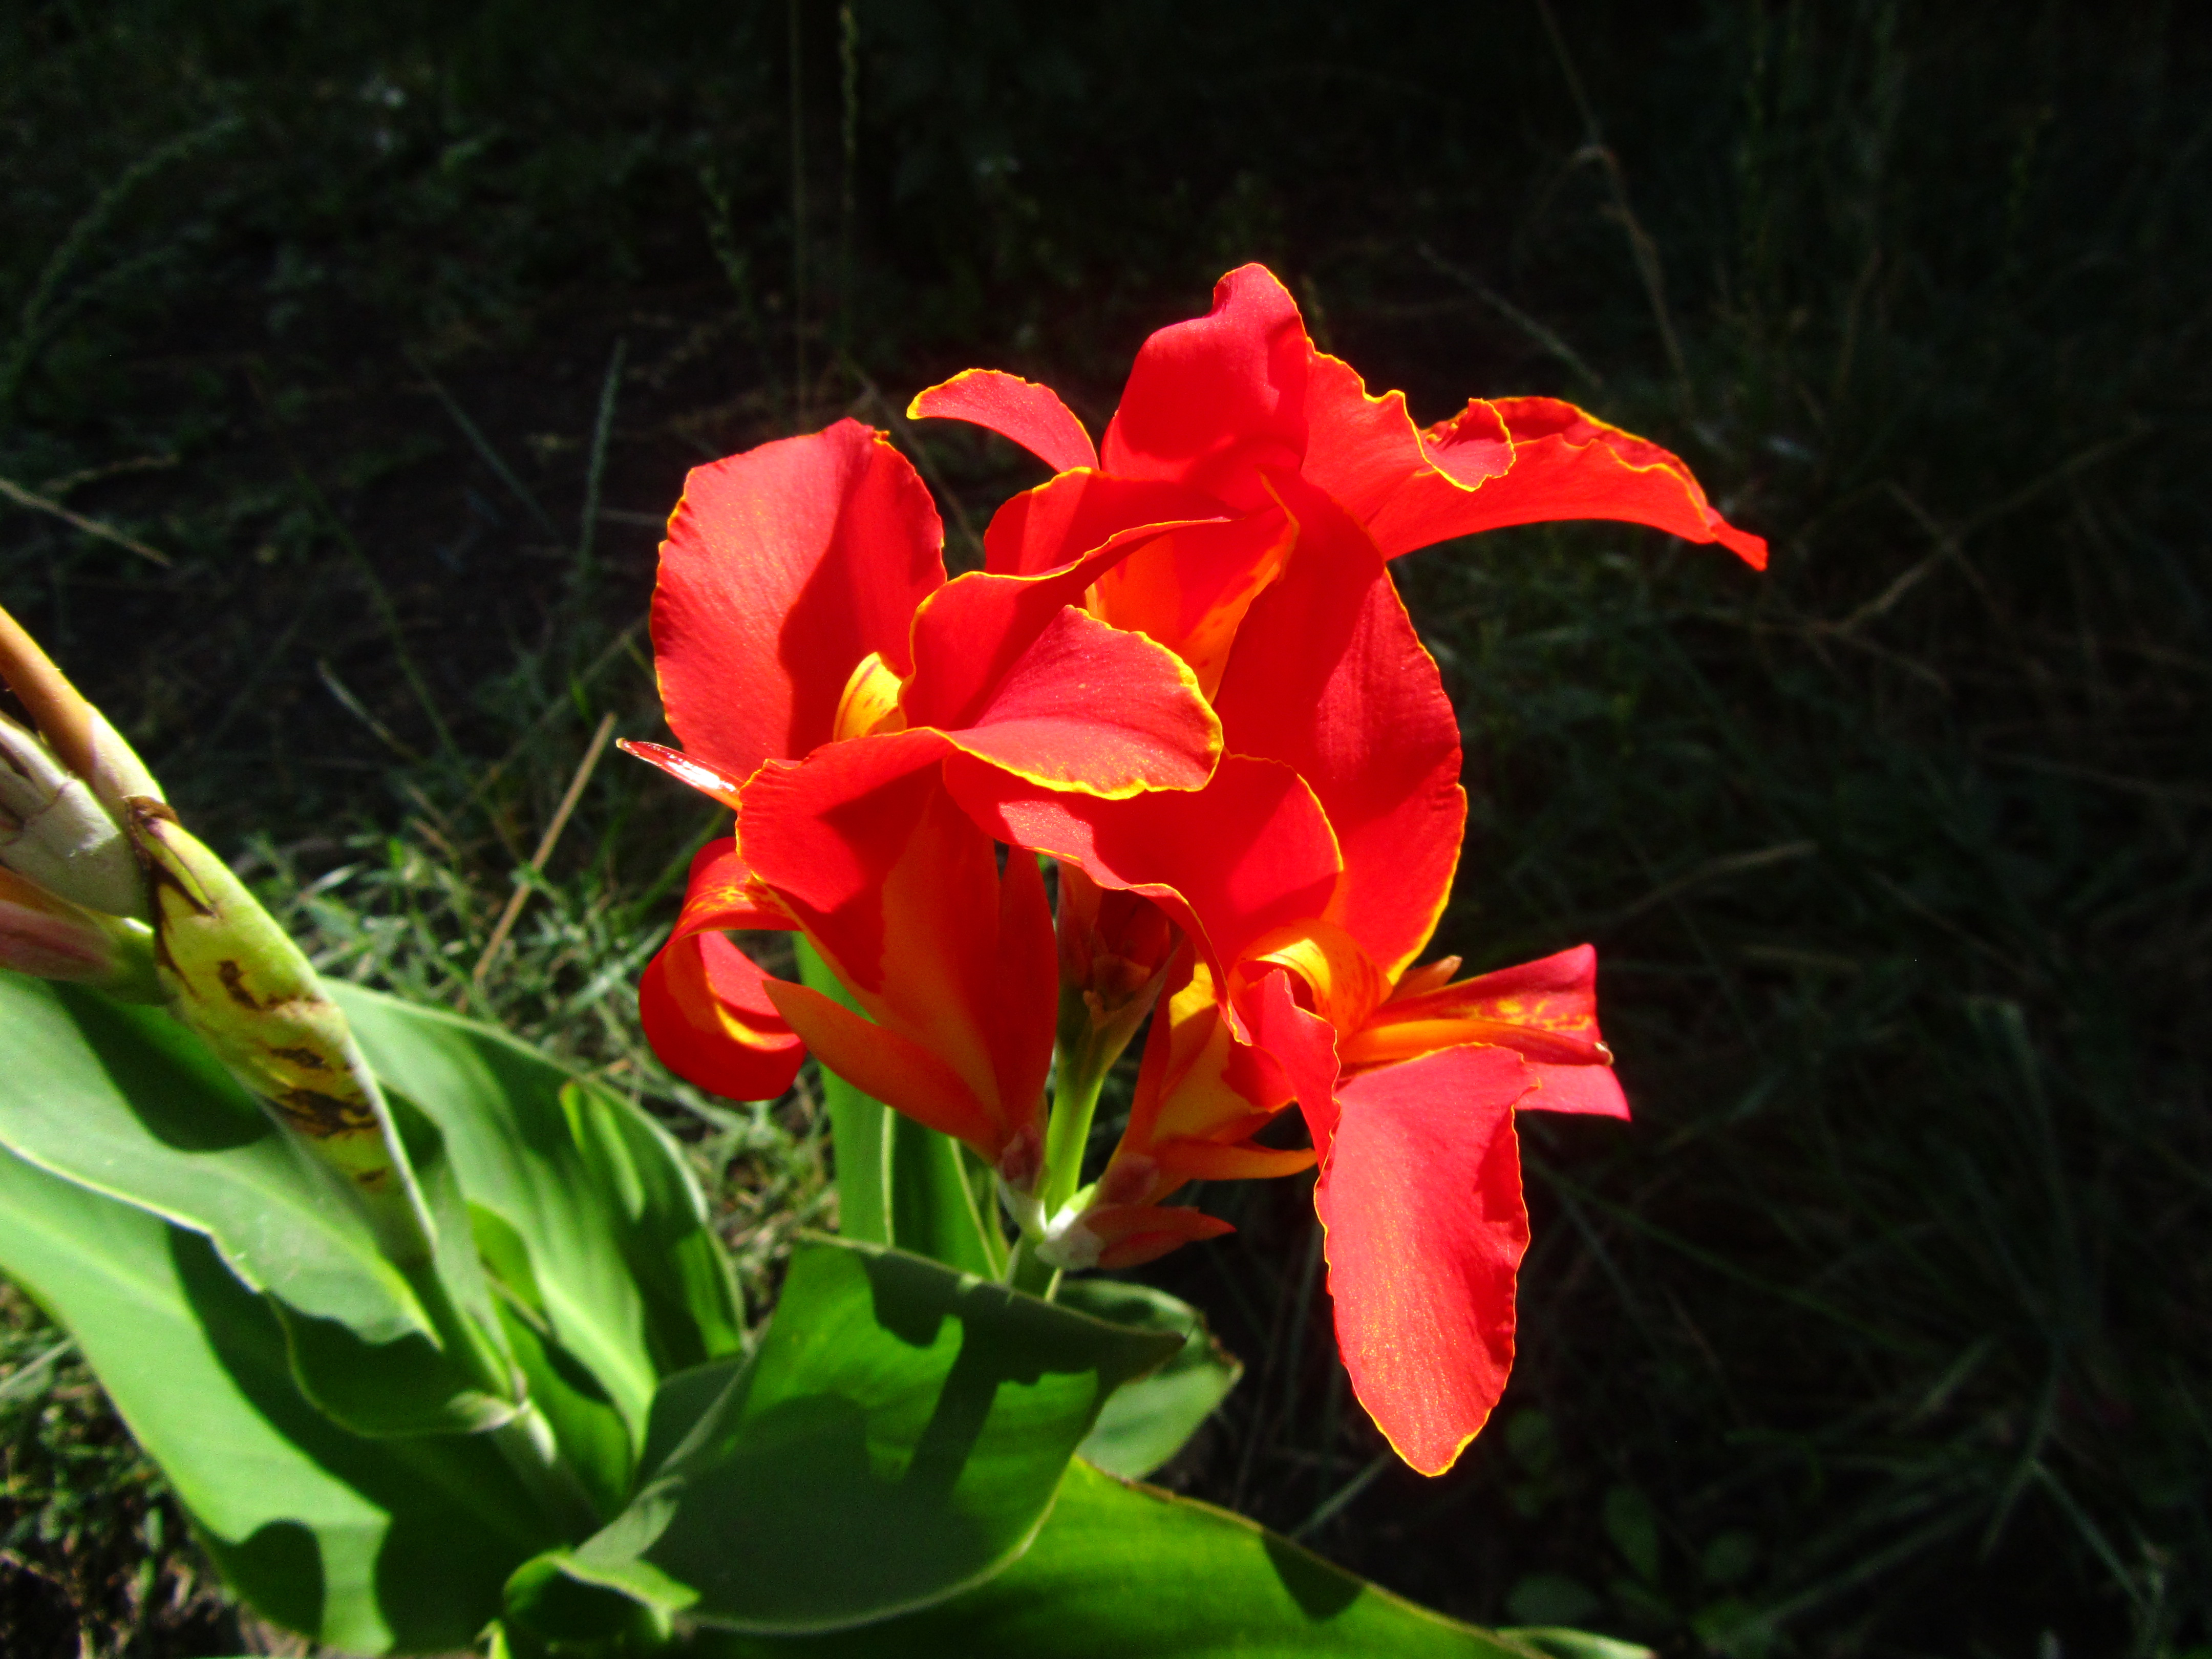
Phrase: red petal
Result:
[1420,1195]
[901,894]
[1568,464]
[1017,675]
[1212,401]
[783,569]
[1030,415]
[1246,854]
[1064,518]
[1134,1234]
[892,1066]
[1329,676]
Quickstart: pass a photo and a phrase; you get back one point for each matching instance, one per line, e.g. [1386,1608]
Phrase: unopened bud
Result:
[1115,947]
[250,994]
[54,830]
[50,938]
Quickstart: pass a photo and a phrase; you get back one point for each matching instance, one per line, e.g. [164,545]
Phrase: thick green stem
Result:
[1028,1271]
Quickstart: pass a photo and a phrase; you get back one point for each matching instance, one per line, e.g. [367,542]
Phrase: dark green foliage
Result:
[1880,1331]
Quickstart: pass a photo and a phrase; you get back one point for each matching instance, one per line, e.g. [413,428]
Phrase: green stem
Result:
[1067,1135]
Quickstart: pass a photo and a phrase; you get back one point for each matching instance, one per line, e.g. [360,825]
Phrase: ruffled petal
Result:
[1462,453]
[1212,401]
[1420,1196]
[1329,676]
[1129,1236]
[1020,410]
[784,568]
[1018,677]
[1569,464]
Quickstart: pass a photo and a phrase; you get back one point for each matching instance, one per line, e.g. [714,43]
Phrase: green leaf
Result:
[898,1436]
[1148,1421]
[368,1544]
[1122,1569]
[898,1182]
[582,1205]
[123,1101]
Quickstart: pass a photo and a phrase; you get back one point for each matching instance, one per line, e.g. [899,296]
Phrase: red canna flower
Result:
[1186,675]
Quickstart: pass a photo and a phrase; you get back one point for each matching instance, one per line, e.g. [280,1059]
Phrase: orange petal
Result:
[1020,410]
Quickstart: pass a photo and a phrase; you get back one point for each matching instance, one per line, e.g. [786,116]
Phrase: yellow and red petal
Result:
[1020,410]
[1463,452]
[1018,677]
[707,1011]
[1329,676]
[1212,401]
[784,568]
[1420,1198]
[1546,1011]
[1190,587]
[1570,464]
[704,1003]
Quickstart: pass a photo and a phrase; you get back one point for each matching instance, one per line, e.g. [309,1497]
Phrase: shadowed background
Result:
[351,355]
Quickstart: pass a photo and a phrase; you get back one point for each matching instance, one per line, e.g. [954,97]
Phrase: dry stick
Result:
[1520,319]
[521,894]
[38,503]
[1640,244]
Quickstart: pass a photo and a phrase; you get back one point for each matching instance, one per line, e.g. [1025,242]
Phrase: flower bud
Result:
[54,830]
[240,983]
[52,939]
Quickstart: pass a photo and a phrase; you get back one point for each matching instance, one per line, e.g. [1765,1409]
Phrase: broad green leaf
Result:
[899,1182]
[124,1101]
[1147,1421]
[897,1437]
[368,1544]
[1122,1569]
[583,1208]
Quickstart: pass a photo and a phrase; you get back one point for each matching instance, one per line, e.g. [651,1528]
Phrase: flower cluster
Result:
[1185,677]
